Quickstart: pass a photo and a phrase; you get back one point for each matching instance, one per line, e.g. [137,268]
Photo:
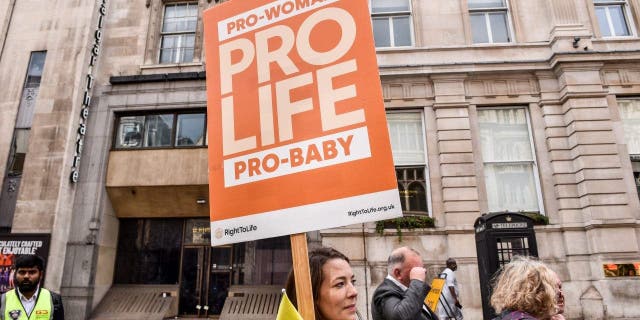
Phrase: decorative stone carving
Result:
[12,185]
[507,87]
[407,91]
[591,301]
[620,76]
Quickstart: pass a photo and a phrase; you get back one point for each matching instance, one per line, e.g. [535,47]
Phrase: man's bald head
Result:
[400,263]
[398,257]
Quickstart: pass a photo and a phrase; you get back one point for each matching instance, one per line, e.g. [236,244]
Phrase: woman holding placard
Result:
[333,285]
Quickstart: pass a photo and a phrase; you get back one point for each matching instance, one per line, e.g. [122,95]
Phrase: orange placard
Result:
[297,127]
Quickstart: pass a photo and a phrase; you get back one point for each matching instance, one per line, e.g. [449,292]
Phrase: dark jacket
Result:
[58,308]
[514,315]
[391,303]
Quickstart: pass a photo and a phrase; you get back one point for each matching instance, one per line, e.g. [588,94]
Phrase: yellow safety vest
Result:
[12,307]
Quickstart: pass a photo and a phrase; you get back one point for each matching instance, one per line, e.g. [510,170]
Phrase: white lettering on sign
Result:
[277,107]
[265,15]
[86,96]
[512,225]
[307,155]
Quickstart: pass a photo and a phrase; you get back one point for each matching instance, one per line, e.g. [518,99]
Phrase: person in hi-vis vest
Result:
[29,301]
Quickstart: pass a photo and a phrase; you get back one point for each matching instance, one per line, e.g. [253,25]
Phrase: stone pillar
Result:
[588,152]
[457,169]
[593,199]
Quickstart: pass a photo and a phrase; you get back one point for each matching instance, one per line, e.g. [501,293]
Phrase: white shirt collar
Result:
[33,297]
[397,283]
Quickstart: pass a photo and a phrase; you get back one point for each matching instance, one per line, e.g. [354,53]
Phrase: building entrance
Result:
[207,274]
[178,252]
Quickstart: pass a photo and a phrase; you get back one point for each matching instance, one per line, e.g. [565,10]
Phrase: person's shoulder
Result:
[53,293]
[56,297]
[384,285]
[386,288]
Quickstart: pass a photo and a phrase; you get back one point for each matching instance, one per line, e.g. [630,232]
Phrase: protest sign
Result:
[434,294]
[298,139]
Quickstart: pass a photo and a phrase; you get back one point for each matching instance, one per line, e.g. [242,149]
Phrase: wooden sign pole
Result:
[304,295]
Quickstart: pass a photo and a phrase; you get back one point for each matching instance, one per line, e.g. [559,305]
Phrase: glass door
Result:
[205,279]
[220,277]
[206,272]
[191,278]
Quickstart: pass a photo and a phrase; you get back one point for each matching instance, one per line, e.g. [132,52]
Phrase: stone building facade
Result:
[493,105]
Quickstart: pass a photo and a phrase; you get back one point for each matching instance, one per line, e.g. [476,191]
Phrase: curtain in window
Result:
[508,160]
[406,132]
[630,114]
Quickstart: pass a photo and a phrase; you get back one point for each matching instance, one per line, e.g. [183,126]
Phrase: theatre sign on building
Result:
[492,105]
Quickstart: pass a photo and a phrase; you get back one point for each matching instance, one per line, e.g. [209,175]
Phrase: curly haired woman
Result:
[525,290]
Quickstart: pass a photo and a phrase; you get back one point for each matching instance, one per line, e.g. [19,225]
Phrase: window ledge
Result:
[387,49]
[620,38]
[494,44]
[172,67]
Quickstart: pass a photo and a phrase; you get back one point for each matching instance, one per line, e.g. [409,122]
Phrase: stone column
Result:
[591,155]
[457,169]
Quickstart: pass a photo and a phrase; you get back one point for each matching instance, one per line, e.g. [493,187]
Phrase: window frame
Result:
[174,130]
[162,34]
[534,161]
[13,153]
[389,16]
[628,17]
[424,165]
[634,158]
[486,12]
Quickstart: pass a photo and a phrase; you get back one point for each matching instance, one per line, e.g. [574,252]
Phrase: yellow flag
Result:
[287,311]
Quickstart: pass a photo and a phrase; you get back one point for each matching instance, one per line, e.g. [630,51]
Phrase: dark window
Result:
[406,133]
[160,130]
[412,187]
[635,164]
[190,130]
[148,251]
[18,152]
[509,247]
[272,261]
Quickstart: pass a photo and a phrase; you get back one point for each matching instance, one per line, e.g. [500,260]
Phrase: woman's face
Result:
[338,295]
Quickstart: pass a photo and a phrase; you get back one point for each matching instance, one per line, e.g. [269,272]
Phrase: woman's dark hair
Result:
[29,261]
[317,258]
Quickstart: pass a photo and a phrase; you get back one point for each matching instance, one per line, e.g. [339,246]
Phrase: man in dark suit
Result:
[401,295]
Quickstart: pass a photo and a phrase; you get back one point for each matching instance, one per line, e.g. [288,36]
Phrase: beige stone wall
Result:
[584,171]
[45,196]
